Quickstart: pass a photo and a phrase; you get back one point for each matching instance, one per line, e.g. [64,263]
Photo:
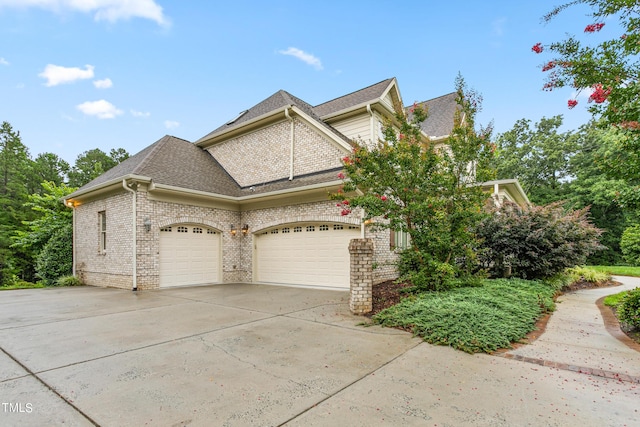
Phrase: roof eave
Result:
[240,128]
[105,187]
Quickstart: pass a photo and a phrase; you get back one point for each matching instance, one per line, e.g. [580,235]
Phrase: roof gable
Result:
[366,95]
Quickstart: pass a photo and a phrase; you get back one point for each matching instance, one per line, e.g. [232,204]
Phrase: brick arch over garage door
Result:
[306,253]
[190,253]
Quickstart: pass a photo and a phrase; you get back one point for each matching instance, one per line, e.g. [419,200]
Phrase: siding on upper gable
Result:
[357,128]
[387,101]
[265,155]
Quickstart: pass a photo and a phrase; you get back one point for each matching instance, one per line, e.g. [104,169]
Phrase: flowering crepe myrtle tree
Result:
[409,184]
[609,70]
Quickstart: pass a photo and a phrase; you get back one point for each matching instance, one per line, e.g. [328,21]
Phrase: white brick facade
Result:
[265,155]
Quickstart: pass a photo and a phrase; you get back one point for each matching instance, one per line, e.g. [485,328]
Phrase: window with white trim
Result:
[102,231]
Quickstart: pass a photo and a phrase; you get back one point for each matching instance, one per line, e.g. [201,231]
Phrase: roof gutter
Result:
[135,234]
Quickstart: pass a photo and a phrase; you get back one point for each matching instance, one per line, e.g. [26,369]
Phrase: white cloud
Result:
[303,56]
[3,61]
[101,109]
[103,84]
[103,10]
[135,113]
[55,74]
[171,124]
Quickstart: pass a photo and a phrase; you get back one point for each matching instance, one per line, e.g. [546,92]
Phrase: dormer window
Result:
[235,119]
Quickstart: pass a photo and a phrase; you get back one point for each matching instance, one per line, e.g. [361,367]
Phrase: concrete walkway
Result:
[577,339]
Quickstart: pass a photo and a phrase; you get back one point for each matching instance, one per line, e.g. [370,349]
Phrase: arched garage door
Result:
[189,255]
[305,254]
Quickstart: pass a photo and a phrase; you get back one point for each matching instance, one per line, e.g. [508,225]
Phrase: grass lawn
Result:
[615,299]
[619,270]
[22,285]
[473,319]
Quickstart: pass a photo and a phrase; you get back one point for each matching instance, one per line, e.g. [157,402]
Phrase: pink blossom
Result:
[537,48]
[345,202]
[593,28]
[572,103]
[341,175]
[599,94]
[345,212]
[549,65]
[383,198]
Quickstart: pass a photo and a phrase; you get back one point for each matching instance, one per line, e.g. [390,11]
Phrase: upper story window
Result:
[102,231]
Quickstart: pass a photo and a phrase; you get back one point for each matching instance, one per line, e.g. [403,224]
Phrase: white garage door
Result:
[305,254]
[189,255]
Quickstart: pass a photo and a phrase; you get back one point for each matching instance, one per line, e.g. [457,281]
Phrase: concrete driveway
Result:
[237,354]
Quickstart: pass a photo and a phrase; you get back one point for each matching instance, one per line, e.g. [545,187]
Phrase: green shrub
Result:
[425,273]
[473,319]
[630,245]
[587,274]
[56,258]
[537,242]
[559,281]
[629,309]
[68,281]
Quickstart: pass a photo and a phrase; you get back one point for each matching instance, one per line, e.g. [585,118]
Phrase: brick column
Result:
[361,299]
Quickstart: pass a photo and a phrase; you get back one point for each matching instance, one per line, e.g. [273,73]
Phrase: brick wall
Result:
[112,267]
[361,289]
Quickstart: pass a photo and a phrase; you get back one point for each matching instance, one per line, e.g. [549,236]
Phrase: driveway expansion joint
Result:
[48,387]
[573,368]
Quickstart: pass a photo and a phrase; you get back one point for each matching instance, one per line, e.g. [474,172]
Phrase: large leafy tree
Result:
[538,157]
[93,163]
[609,71]
[409,184]
[14,167]
[593,185]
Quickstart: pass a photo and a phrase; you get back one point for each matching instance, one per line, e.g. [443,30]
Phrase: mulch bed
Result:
[389,293]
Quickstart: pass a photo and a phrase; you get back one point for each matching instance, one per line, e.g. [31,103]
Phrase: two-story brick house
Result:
[246,203]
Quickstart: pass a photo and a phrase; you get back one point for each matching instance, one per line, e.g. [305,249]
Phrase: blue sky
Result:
[81,74]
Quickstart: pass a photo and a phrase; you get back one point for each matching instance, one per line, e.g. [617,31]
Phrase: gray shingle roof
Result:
[179,163]
[173,161]
[441,111]
[369,93]
[275,102]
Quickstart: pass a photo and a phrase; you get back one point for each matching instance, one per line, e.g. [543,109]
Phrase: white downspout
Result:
[373,141]
[291,139]
[135,236]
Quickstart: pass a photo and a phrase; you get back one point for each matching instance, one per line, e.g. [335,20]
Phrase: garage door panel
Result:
[189,255]
[310,254]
